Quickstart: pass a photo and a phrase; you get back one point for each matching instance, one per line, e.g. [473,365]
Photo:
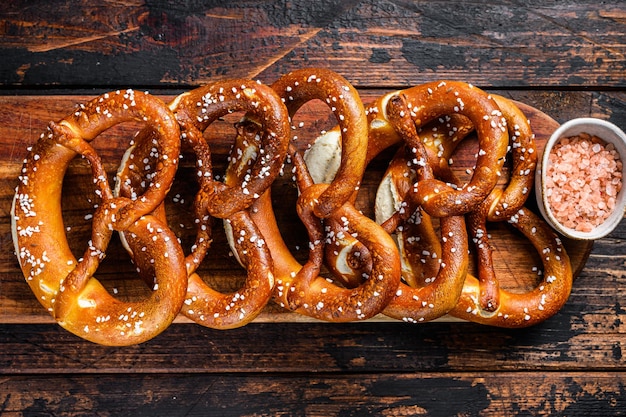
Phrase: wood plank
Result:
[373,43]
[404,394]
[23,118]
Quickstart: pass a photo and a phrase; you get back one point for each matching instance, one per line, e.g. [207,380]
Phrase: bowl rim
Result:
[570,128]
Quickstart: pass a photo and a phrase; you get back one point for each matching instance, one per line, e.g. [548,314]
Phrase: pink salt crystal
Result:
[610,189]
[584,227]
[583,178]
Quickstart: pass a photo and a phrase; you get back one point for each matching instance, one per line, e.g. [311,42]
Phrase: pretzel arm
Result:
[501,204]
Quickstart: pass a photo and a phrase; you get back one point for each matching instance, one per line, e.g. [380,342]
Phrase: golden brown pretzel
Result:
[482,300]
[501,203]
[428,102]
[300,287]
[66,286]
[268,132]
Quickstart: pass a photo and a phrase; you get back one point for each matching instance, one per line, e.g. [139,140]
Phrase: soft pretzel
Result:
[482,300]
[428,102]
[262,143]
[65,286]
[299,287]
[502,202]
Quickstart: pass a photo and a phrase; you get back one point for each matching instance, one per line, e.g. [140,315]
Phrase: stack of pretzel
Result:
[409,263]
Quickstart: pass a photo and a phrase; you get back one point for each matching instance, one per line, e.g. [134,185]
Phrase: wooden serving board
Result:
[24,118]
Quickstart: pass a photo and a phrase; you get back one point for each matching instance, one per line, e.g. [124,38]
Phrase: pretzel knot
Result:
[199,108]
[259,150]
[66,286]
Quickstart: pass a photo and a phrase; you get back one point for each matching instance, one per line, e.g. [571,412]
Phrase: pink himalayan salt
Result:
[583,177]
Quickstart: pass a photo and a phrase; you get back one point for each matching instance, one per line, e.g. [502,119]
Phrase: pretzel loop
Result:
[83,306]
[299,87]
[113,108]
[535,306]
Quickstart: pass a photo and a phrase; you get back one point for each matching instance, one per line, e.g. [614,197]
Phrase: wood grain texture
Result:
[563,58]
[372,43]
[397,395]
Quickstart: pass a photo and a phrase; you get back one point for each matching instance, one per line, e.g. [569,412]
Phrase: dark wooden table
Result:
[566,59]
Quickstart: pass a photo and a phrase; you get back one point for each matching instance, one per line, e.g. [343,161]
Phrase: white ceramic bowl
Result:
[610,134]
